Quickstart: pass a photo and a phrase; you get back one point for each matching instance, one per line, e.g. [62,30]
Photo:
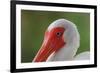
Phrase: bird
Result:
[61,42]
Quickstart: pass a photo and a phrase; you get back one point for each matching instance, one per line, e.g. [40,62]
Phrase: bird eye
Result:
[58,33]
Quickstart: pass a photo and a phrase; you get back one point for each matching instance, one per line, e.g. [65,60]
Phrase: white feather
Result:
[83,56]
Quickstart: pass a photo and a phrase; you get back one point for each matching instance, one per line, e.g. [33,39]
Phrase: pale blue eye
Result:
[58,33]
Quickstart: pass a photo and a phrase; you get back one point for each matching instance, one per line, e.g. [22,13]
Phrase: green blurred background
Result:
[34,24]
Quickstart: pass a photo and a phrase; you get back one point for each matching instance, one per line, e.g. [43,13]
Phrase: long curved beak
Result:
[45,50]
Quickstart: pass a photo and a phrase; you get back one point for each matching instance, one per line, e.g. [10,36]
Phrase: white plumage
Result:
[71,35]
[83,56]
[61,42]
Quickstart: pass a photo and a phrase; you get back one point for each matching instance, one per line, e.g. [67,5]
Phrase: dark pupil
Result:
[58,33]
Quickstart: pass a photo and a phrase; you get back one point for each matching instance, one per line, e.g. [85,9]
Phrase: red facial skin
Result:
[53,41]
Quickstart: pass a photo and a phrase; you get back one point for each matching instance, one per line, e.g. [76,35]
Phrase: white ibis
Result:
[61,42]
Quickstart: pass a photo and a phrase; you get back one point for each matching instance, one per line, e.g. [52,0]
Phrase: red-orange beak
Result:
[51,44]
